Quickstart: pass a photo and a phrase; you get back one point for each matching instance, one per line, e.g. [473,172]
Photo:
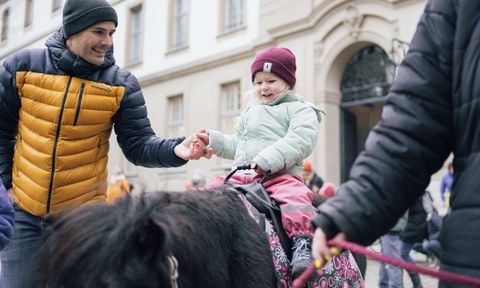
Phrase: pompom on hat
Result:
[279,61]
[78,15]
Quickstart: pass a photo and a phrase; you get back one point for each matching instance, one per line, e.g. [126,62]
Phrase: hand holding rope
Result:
[334,244]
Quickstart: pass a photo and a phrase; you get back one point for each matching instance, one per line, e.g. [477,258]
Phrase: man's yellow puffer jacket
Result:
[56,116]
[52,158]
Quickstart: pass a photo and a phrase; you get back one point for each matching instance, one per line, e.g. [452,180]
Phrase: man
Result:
[57,109]
[433,109]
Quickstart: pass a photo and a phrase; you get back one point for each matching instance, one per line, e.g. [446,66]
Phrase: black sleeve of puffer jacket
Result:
[135,135]
[9,108]
[410,143]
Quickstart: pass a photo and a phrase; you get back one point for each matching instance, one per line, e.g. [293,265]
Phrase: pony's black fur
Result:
[216,243]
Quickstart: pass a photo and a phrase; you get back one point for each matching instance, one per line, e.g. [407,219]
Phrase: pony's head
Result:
[121,245]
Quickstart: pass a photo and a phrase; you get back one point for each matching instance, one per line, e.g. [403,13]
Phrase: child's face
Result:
[268,86]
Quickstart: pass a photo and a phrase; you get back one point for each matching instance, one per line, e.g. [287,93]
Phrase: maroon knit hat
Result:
[279,61]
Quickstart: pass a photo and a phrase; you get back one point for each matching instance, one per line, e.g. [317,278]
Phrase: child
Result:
[276,133]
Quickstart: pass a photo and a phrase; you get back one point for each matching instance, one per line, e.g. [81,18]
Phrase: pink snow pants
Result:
[291,194]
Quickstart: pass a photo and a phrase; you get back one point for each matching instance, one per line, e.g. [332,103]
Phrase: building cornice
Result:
[323,10]
[245,52]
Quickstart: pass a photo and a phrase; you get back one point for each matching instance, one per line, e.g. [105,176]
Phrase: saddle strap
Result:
[256,194]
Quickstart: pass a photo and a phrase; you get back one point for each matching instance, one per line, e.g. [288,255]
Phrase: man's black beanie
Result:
[78,15]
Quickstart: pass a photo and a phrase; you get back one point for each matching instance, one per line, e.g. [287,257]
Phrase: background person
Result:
[431,111]
[446,185]
[391,276]
[415,231]
[118,185]
[197,181]
[58,107]
[430,246]
[311,179]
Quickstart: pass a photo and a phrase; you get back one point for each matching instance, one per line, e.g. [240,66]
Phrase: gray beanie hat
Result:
[78,15]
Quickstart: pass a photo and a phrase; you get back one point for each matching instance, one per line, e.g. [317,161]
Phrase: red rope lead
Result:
[442,275]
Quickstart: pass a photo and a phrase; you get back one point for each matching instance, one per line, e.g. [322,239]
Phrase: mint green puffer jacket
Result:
[277,136]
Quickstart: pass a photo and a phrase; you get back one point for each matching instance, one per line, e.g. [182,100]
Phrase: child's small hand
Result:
[257,168]
[203,136]
[192,148]
[197,147]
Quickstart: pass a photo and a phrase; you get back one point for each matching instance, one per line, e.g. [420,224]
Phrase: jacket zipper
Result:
[80,96]
[54,151]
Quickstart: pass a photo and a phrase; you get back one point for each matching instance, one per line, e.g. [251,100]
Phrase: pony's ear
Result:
[153,234]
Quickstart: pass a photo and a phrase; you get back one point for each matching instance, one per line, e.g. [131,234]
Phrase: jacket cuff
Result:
[328,227]
[215,140]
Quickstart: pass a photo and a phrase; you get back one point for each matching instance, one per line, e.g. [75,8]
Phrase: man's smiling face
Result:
[93,43]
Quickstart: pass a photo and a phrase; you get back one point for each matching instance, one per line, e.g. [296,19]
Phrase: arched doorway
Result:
[364,86]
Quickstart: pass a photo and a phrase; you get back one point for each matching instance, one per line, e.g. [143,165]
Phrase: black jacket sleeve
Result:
[135,135]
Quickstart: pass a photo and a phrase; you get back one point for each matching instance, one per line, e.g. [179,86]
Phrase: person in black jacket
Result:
[58,107]
[432,110]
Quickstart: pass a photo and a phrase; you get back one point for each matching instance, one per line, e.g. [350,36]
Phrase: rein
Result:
[442,275]
[173,264]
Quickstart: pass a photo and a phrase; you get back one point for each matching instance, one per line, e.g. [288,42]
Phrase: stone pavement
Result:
[371,277]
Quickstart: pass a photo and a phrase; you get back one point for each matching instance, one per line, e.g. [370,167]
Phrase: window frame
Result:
[56,5]
[135,32]
[179,25]
[175,115]
[230,93]
[5,25]
[226,26]
[28,14]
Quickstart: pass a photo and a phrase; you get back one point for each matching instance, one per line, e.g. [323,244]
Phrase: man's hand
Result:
[321,252]
[187,151]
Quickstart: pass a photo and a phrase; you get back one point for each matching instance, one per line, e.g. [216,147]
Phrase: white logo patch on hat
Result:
[267,67]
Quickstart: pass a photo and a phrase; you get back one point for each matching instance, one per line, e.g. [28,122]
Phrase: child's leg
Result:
[295,200]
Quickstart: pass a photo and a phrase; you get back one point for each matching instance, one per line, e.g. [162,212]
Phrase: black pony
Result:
[165,239]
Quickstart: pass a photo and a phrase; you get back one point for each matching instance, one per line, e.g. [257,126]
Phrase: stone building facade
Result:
[193,59]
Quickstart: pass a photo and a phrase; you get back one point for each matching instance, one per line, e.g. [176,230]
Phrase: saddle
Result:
[257,195]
